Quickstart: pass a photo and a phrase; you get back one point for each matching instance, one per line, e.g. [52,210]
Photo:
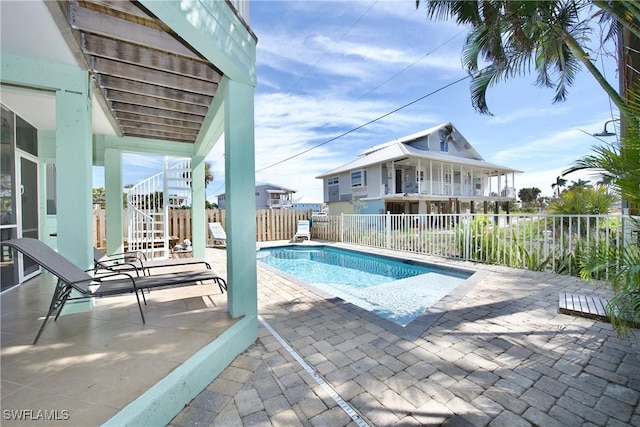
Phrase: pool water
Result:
[398,291]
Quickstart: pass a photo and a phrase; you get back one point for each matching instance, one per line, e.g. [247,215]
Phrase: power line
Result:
[330,48]
[366,124]
[407,67]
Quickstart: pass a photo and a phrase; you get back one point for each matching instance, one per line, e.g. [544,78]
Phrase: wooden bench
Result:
[588,306]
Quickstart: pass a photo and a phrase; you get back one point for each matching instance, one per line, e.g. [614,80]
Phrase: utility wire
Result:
[407,67]
[366,124]
[330,48]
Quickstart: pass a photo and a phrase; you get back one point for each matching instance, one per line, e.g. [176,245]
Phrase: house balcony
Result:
[279,204]
[447,190]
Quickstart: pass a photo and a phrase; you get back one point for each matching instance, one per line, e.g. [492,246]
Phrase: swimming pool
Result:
[396,290]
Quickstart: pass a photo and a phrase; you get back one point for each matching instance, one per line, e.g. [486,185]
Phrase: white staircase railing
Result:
[148,203]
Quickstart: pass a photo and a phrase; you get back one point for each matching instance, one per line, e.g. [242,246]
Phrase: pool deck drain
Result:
[335,396]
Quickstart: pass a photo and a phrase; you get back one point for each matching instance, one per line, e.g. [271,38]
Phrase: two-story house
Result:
[268,196]
[435,170]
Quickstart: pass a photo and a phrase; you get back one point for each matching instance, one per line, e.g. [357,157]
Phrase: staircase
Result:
[148,204]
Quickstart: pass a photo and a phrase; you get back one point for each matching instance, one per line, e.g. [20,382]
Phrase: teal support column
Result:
[198,220]
[240,199]
[74,183]
[74,175]
[113,200]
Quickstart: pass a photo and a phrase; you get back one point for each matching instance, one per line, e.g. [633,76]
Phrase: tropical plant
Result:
[98,197]
[551,37]
[620,165]
[622,262]
[582,201]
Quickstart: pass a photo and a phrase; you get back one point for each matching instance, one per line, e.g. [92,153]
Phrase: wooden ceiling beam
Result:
[157,135]
[121,6]
[182,124]
[146,89]
[149,111]
[142,74]
[121,29]
[130,126]
[149,58]
[131,98]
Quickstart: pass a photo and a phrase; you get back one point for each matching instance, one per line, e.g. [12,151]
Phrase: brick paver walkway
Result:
[501,356]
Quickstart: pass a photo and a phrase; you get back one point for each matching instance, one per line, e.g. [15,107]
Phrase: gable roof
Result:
[400,148]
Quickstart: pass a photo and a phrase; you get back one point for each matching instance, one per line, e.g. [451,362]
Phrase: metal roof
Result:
[400,149]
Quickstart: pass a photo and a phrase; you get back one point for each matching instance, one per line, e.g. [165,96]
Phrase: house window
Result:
[359,178]
[333,180]
[444,146]
[419,176]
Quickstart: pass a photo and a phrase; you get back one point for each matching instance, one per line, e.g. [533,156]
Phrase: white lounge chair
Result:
[302,231]
[217,234]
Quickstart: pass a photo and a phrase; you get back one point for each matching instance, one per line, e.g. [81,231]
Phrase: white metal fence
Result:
[535,242]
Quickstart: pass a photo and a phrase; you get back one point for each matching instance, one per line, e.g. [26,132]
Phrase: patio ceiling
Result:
[150,83]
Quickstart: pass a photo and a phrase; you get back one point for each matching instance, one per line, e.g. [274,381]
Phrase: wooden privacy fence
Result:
[271,224]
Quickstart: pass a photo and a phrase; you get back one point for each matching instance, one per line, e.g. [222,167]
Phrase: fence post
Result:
[388,229]
[467,219]
[342,226]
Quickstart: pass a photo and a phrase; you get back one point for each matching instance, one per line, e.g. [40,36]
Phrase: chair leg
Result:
[140,305]
[221,284]
[60,295]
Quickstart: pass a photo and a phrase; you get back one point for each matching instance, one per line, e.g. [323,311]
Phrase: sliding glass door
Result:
[18,195]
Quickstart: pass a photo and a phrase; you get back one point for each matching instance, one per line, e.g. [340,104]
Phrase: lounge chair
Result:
[302,231]
[136,261]
[71,277]
[217,234]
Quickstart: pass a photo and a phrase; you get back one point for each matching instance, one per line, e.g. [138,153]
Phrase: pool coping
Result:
[416,327]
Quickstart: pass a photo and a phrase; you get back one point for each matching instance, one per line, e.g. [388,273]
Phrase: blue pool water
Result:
[398,291]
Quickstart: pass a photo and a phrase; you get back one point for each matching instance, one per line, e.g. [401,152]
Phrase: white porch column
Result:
[240,198]
[451,179]
[114,210]
[431,177]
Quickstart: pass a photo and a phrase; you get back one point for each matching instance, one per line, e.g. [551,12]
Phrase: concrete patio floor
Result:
[88,366]
[500,356]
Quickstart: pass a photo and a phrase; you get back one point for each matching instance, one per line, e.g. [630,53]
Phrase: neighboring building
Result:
[268,196]
[304,204]
[436,170]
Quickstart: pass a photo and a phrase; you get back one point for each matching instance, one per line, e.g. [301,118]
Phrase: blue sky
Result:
[327,67]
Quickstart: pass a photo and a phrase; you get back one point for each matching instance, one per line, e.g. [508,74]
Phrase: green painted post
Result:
[74,175]
[114,214]
[199,228]
[240,198]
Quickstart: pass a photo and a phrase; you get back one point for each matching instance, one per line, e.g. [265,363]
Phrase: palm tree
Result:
[580,183]
[208,175]
[560,182]
[548,36]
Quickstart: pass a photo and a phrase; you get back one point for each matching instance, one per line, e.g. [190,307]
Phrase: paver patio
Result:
[501,356]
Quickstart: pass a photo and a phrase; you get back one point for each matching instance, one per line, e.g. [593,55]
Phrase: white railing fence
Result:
[534,242]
